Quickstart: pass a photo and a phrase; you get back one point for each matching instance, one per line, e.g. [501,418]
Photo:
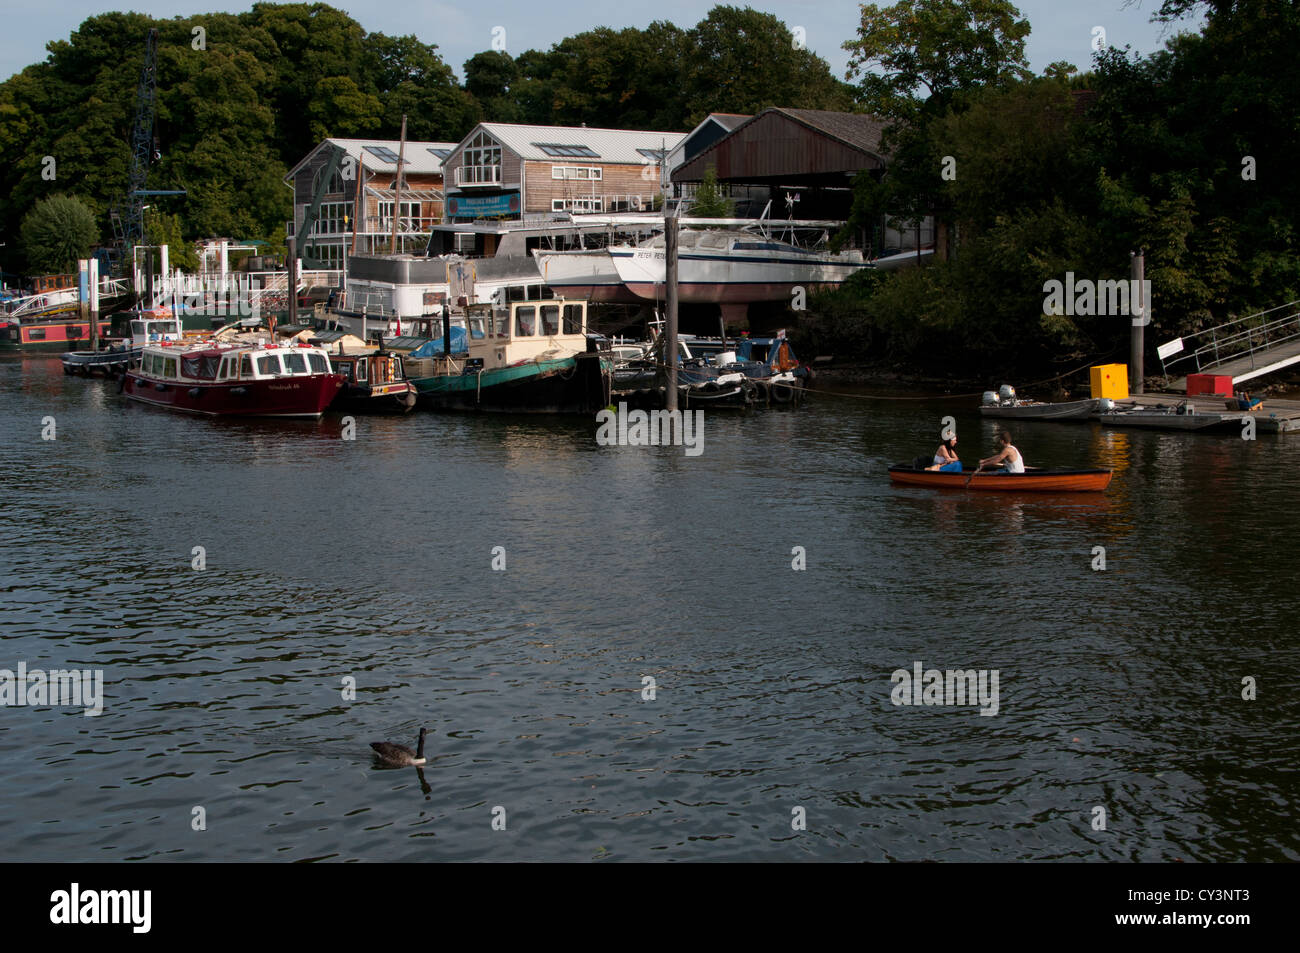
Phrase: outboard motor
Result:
[990,399]
[1105,406]
[1007,392]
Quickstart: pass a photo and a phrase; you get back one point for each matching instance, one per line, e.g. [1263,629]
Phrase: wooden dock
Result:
[1276,416]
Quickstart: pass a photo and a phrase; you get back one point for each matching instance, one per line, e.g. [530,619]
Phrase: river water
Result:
[770,733]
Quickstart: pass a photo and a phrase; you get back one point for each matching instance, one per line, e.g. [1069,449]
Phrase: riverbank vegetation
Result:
[241,103]
[1186,154]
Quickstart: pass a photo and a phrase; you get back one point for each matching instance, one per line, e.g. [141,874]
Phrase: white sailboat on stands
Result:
[734,267]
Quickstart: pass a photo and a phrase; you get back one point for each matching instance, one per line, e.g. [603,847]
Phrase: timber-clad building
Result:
[516,172]
[343,197]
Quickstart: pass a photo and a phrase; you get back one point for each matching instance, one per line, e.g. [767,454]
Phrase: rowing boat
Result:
[1032,481]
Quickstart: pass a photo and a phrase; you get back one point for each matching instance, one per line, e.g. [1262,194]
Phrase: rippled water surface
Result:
[328,559]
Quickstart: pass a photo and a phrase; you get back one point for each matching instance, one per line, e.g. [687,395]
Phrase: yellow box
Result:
[1109,380]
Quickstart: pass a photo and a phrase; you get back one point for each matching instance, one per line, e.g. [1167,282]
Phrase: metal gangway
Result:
[58,301]
[1243,348]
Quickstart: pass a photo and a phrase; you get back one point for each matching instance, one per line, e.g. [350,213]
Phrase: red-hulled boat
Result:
[241,380]
[1031,481]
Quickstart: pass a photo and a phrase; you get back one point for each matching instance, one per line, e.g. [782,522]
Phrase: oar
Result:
[972,476]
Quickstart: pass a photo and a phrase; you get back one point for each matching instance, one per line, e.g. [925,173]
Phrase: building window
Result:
[576,172]
[330,256]
[558,149]
[333,219]
[385,154]
[481,161]
[578,205]
[408,219]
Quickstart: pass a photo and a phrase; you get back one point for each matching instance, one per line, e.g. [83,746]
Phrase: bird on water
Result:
[400,754]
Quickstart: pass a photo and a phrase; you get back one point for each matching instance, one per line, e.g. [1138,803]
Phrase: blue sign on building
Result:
[483,206]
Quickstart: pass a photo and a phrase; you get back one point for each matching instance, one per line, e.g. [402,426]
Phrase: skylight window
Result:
[655,154]
[560,149]
[384,154]
[441,153]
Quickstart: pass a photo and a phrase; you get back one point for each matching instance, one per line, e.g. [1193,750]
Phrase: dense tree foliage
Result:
[242,97]
[1183,154]
[56,232]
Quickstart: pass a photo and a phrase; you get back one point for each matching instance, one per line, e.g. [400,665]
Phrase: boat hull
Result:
[571,385]
[1034,481]
[585,274]
[38,335]
[305,396]
[1068,410]
[397,397]
[1163,421]
[733,278]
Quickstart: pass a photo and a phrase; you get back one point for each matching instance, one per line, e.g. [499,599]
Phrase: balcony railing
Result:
[478,175]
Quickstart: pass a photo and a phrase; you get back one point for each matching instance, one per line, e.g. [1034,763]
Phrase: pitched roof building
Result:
[510,171]
[343,190]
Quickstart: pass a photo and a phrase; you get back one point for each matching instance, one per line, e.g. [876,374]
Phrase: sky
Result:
[1062,29]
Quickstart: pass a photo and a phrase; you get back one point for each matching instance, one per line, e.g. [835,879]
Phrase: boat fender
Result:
[781,393]
[194,392]
[160,387]
[239,391]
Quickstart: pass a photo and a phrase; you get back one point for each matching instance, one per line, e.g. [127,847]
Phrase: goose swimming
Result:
[400,754]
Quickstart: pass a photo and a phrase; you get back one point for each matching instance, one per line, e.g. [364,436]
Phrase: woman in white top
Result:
[945,458]
[1011,459]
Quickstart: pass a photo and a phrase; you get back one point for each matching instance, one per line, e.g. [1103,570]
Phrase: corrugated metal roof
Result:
[611,145]
[418,159]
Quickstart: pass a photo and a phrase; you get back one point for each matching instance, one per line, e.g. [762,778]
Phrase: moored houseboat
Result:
[374,381]
[533,357]
[232,379]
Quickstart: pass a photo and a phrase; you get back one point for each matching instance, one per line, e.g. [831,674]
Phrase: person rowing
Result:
[1011,459]
[945,458]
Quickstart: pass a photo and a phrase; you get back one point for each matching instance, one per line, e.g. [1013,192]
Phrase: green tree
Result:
[709,202]
[741,60]
[920,53]
[57,232]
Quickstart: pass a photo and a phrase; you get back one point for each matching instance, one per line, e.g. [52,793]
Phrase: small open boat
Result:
[1032,481]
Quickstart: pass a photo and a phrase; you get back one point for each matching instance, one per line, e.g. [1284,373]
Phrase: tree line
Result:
[1186,154]
[242,97]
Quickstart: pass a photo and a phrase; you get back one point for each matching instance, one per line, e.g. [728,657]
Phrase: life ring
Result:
[782,392]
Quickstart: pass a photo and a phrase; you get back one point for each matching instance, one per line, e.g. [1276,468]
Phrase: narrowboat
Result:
[1031,481]
[531,357]
[235,379]
[373,382]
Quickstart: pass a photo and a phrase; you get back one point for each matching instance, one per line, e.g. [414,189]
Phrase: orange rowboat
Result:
[1033,481]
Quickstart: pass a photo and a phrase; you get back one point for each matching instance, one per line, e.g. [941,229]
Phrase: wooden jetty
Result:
[1276,416]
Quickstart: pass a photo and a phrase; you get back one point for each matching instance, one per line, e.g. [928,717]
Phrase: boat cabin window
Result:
[200,366]
[525,322]
[573,319]
[319,363]
[295,362]
[550,319]
[361,370]
[503,324]
[344,368]
[397,368]
[246,366]
[161,328]
[476,327]
[268,364]
[138,328]
[169,367]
